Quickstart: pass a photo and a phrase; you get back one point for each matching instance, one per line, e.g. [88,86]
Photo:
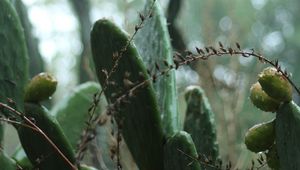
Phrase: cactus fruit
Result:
[261,100]
[287,135]
[260,137]
[272,158]
[41,154]
[174,159]
[140,120]
[275,84]
[199,122]
[40,88]
[153,44]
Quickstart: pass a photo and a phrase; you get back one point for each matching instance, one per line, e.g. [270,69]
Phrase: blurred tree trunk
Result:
[36,64]
[82,10]
[172,13]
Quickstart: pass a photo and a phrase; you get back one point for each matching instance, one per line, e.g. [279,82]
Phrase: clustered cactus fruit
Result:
[273,93]
[142,106]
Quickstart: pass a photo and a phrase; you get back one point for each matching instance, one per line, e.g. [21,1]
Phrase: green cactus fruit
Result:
[261,100]
[139,118]
[272,158]
[72,111]
[174,159]
[6,163]
[154,46]
[13,56]
[260,137]
[287,135]
[275,84]
[41,154]
[40,88]
[199,122]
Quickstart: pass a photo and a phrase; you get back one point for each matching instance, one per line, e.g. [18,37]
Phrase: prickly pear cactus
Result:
[287,123]
[174,159]
[6,162]
[153,44]
[21,158]
[140,119]
[199,122]
[287,135]
[72,111]
[41,154]
[13,67]
[13,56]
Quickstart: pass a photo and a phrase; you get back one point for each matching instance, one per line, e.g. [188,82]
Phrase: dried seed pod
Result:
[260,137]
[261,100]
[275,84]
[40,88]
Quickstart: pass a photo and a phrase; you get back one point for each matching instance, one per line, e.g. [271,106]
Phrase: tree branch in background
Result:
[82,10]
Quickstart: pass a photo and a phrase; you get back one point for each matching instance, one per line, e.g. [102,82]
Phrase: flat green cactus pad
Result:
[140,119]
[153,44]
[174,159]
[287,128]
[13,56]
[72,111]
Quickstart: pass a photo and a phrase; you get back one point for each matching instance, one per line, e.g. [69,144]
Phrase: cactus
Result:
[153,44]
[39,151]
[287,130]
[140,118]
[21,158]
[71,112]
[174,159]
[6,162]
[13,68]
[275,86]
[13,65]
[199,122]
[36,64]
[272,158]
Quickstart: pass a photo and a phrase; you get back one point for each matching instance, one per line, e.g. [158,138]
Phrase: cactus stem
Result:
[27,120]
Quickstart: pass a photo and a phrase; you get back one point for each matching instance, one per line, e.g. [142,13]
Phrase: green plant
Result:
[278,138]
[138,82]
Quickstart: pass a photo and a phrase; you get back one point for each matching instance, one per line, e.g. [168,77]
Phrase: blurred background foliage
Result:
[57,33]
